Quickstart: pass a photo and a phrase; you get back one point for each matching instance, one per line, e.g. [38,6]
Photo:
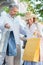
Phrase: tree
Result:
[35,6]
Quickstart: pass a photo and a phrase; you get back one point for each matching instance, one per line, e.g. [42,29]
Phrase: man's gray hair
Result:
[13,5]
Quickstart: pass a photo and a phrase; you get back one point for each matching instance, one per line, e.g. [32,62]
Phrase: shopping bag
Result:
[31,52]
[4,41]
[12,50]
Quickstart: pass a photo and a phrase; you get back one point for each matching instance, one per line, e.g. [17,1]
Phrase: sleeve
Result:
[21,25]
[1,23]
[41,29]
[38,29]
[22,30]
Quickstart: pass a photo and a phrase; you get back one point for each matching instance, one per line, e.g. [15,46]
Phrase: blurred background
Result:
[34,6]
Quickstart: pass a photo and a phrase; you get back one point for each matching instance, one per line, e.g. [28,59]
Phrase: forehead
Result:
[14,8]
[29,19]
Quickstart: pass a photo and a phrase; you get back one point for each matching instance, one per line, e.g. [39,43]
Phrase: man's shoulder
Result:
[3,13]
[17,18]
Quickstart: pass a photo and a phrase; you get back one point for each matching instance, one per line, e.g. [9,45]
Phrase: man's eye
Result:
[14,11]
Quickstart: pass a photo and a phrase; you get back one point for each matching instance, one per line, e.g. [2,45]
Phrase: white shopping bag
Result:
[4,41]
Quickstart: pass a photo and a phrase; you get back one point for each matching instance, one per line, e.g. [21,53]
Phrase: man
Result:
[11,23]
[13,11]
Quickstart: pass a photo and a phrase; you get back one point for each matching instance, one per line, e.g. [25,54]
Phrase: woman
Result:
[31,30]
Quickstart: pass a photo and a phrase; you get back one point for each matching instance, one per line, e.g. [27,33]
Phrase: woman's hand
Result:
[7,26]
[39,35]
[36,33]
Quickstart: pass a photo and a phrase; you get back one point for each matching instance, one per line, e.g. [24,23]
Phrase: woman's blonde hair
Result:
[29,15]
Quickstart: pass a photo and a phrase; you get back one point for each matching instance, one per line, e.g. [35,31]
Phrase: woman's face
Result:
[30,21]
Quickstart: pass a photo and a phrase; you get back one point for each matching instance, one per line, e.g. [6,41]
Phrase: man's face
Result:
[13,11]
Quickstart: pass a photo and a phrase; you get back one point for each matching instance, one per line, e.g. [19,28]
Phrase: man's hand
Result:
[7,26]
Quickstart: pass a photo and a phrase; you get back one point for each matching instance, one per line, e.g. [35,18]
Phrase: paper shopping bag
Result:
[31,52]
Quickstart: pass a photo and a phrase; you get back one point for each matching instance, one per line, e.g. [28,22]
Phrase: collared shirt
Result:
[32,29]
[14,25]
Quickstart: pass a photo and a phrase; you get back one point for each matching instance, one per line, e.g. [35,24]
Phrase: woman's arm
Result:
[23,38]
[39,35]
